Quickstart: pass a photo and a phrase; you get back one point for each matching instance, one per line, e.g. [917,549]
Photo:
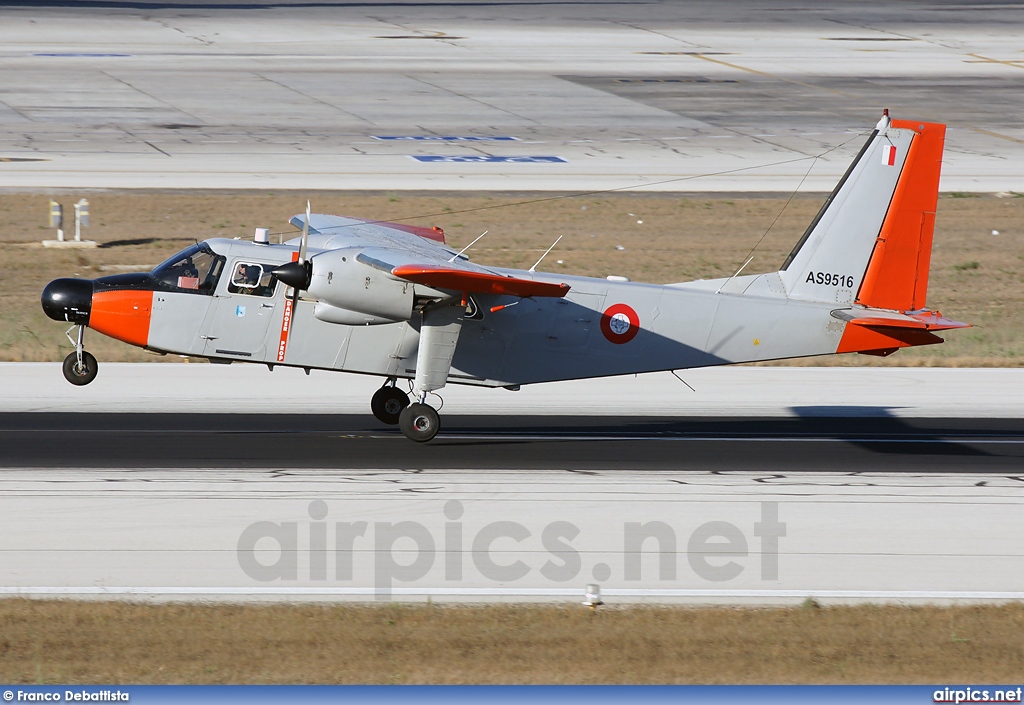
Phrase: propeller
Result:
[297,274]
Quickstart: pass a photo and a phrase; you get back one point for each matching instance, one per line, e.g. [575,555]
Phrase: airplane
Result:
[396,301]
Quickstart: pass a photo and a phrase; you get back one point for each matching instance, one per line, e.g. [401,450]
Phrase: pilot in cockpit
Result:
[246,275]
[187,273]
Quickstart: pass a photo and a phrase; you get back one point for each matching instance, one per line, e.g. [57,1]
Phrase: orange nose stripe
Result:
[122,314]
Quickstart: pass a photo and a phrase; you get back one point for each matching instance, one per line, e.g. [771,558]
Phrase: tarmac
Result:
[668,96]
[758,486]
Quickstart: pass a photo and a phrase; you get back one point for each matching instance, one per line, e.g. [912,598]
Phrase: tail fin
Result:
[871,241]
[897,274]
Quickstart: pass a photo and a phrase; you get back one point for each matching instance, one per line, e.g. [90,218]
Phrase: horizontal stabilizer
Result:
[881,331]
[881,318]
[477,282]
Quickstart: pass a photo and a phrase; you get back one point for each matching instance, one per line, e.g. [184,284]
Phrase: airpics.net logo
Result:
[454,551]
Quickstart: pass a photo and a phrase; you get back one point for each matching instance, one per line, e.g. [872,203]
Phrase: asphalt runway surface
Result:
[698,444]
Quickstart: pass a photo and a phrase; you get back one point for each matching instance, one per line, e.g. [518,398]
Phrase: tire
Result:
[387,404]
[419,422]
[80,375]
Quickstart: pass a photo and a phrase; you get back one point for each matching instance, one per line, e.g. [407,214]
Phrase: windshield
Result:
[196,269]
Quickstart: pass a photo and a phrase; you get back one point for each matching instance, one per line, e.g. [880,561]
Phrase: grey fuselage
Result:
[536,340]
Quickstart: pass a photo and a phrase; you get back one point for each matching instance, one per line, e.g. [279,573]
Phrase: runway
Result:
[761,419]
[608,443]
[565,96]
[758,486]
[485,535]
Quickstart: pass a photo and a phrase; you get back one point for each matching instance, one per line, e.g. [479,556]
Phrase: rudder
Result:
[897,273]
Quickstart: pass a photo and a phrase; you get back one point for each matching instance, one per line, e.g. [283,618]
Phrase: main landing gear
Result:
[418,421]
[80,367]
[388,402]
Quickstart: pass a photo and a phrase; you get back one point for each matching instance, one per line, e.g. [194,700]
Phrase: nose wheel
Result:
[419,422]
[80,373]
[387,404]
[80,367]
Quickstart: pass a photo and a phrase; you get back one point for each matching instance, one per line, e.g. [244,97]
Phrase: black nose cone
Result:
[68,300]
[294,274]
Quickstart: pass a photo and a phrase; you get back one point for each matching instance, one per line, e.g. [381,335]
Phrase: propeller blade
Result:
[305,237]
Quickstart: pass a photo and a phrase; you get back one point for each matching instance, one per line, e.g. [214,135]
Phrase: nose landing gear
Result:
[80,367]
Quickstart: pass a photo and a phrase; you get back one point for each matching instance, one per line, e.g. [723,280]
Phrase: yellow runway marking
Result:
[1017,64]
[705,57]
[996,134]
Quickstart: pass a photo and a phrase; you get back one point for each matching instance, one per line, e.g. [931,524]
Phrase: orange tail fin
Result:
[897,273]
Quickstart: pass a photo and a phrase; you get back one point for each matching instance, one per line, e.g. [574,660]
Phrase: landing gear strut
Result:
[419,422]
[387,403]
[80,367]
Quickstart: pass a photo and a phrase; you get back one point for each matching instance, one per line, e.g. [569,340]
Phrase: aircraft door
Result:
[243,312]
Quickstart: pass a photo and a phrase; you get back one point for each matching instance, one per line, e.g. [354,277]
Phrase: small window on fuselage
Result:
[251,279]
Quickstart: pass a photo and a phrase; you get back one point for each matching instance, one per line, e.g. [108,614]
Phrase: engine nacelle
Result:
[341,281]
[332,314]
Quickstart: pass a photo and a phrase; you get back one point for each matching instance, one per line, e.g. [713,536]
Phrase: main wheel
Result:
[387,404]
[419,422]
[80,374]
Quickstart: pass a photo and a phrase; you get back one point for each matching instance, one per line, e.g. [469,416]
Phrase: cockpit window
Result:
[252,280]
[196,269]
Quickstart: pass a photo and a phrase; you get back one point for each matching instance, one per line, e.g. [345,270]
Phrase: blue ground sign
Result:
[481,159]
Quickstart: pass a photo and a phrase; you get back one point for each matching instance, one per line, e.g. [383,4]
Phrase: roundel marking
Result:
[620,324]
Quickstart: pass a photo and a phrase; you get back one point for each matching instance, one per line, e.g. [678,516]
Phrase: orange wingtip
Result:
[478,282]
[435,233]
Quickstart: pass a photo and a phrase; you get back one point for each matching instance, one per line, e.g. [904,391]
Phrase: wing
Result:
[340,226]
[417,255]
[455,279]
